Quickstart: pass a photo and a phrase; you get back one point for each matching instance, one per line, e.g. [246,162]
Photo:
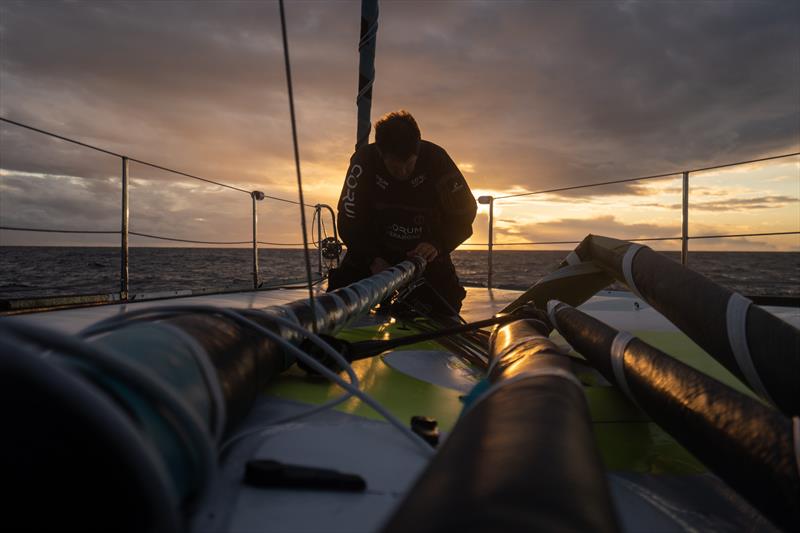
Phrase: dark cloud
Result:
[535,95]
[575,229]
[734,204]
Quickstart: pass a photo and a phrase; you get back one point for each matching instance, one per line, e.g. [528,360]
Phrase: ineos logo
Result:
[350,190]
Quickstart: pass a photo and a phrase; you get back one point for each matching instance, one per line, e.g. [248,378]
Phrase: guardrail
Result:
[125,232]
[684,237]
[257,196]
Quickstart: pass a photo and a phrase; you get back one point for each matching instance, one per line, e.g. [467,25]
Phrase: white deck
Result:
[354,444]
[621,310]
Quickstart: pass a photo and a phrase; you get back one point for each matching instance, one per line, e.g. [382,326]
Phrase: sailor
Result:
[404,196]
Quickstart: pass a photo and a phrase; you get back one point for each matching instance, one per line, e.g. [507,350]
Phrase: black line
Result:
[642,178]
[297,166]
[49,230]
[186,240]
[745,235]
[146,163]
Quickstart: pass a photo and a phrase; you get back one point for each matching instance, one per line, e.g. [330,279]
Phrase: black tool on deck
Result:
[268,473]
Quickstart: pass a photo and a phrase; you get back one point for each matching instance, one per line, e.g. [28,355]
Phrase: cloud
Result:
[181,210]
[575,229]
[530,96]
[734,204]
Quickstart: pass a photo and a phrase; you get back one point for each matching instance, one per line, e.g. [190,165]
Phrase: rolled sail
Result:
[746,443]
[136,413]
[522,456]
[759,348]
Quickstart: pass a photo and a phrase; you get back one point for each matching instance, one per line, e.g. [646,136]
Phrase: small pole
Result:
[484,200]
[685,221]
[491,243]
[254,197]
[123,272]
[318,214]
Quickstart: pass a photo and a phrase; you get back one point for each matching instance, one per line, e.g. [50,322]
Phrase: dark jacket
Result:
[380,216]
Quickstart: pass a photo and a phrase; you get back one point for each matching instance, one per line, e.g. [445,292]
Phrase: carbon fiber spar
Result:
[747,444]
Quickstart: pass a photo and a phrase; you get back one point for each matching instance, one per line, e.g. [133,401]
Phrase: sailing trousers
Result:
[441,284]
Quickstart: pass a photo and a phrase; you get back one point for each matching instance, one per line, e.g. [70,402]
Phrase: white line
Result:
[736,321]
[627,267]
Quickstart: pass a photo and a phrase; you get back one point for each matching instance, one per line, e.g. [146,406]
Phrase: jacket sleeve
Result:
[354,212]
[457,204]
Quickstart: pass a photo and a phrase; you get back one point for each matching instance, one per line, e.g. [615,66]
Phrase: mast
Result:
[366,69]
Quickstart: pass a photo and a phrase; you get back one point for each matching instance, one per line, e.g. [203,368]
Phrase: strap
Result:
[736,321]
[618,347]
[627,267]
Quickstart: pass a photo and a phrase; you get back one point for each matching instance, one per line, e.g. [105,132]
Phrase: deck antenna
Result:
[366,68]
[297,166]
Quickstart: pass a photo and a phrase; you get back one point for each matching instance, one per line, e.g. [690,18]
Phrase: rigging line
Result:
[644,239]
[185,174]
[745,235]
[73,141]
[655,176]
[185,240]
[139,161]
[49,230]
[297,167]
[280,243]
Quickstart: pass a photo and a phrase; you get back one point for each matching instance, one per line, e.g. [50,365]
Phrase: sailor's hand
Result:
[425,250]
[379,264]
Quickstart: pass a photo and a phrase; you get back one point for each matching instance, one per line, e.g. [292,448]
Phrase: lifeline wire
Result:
[297,167]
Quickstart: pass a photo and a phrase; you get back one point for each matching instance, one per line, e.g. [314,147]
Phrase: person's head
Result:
[397,136]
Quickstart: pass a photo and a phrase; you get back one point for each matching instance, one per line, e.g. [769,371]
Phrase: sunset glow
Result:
[520,115]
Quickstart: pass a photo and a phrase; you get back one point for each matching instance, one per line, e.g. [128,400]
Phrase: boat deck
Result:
[655,483]
[619,309]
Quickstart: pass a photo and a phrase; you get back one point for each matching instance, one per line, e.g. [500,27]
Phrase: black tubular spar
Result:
[758,347]
[140,404]
[746,443]
[246,361]
[522,455]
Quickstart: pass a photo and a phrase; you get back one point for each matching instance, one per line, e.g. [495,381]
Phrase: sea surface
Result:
[29,271]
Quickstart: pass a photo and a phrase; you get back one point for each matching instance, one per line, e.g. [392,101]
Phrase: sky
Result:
[524,96]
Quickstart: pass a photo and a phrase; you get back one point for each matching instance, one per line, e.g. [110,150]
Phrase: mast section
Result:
[366,69]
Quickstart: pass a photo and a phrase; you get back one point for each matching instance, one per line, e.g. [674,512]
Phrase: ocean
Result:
[29,271]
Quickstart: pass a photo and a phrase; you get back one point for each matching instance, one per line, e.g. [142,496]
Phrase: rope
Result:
[145,163]
[160,237]
[297,166]
[642,178]
[283,243]
[746,235]
[646,239]
[138,234]
[186,240]
[50,230]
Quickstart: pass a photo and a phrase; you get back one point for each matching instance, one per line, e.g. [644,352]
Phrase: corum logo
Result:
[419,220]
[396,231]
[350,191]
